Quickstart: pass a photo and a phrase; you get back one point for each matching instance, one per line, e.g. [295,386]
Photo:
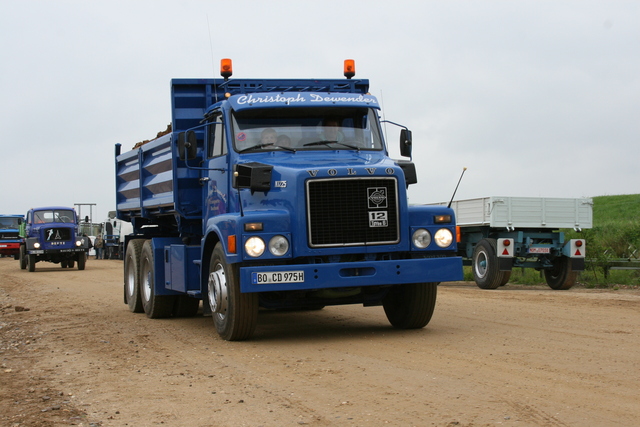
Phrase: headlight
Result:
[421,238]
[254,246]
[36,245]
[78,243]
[278,245]
[443,238]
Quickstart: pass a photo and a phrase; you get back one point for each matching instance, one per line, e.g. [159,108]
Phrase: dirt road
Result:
[72,354]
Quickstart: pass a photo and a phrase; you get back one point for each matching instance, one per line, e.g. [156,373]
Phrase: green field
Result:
[615,235]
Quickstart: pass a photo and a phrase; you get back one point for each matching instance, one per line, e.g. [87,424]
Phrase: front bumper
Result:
[356,274]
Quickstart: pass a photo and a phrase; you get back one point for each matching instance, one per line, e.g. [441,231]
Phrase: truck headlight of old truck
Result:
[254,246]
[421,238]
[278,245]
[443,238]
[36,245]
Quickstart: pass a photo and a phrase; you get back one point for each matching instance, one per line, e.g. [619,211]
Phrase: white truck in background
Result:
[497,234]
[113,232]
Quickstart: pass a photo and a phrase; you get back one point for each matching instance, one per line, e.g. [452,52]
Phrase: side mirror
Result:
[187,145]
[405,142]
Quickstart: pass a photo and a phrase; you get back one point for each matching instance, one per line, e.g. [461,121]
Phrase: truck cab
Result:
[10,235]
[51,234]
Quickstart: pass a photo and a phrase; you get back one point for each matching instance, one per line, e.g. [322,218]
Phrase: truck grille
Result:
[56,234]
[352,211]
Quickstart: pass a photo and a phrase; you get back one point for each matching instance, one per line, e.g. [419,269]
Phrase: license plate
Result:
[277,277]
[539,250]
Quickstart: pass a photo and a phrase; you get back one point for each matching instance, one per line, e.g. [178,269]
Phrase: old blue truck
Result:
[10,235]
[51,234]
[278,194]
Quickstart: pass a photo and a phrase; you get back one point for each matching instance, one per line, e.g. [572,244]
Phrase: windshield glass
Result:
[306,129]
[58,215]
[9,224]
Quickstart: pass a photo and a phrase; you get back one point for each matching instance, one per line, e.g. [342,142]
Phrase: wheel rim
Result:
[481,264]
[218,291]
[146,280]
[130,280]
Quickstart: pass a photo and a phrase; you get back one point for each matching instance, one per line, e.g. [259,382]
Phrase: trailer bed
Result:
[524,212]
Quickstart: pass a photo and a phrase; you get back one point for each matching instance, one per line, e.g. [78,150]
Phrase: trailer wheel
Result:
[31,262]
[560,277]
[485,266]
[235,314]
[410,306]
[82,259]
[506,275]
[132,276]
[155,306]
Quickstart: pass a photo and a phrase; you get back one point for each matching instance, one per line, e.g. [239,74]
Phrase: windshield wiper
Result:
[326,142]
[255,147]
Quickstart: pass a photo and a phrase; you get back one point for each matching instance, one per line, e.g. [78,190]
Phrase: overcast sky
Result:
[535,98]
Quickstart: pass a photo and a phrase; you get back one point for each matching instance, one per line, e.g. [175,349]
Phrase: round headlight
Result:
[278,245]
[78,243]
[421,238]
[443,237]
[254,246]
[36,245]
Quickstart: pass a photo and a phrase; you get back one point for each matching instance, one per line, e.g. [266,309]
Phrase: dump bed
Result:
[152,181]
[524,212]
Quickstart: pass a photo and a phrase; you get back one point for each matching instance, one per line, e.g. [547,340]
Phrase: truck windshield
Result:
[58,215]
[9,224]
[294,129]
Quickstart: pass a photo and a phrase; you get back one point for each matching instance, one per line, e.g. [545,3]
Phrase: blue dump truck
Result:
[278,194]
[10,235]
[51,234]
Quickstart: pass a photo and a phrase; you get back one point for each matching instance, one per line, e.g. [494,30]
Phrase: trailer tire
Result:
[132,276]
[235,314]
[561,277]
[82,259]
[31,262]
[410,306]
[23,257]
[155,306]
[485,266]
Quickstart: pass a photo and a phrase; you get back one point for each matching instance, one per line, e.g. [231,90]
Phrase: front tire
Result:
[23,257]
[560,277]
[155,306]
[410,306]
[235,314]
[132,276]
[31,262]
[82,259]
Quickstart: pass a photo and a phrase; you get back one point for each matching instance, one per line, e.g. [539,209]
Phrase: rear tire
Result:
[132,276]
[155,306]
[410,306]
[235,314]
[560,277]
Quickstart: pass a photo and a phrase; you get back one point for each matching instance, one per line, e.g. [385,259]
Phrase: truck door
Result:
[217,174]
